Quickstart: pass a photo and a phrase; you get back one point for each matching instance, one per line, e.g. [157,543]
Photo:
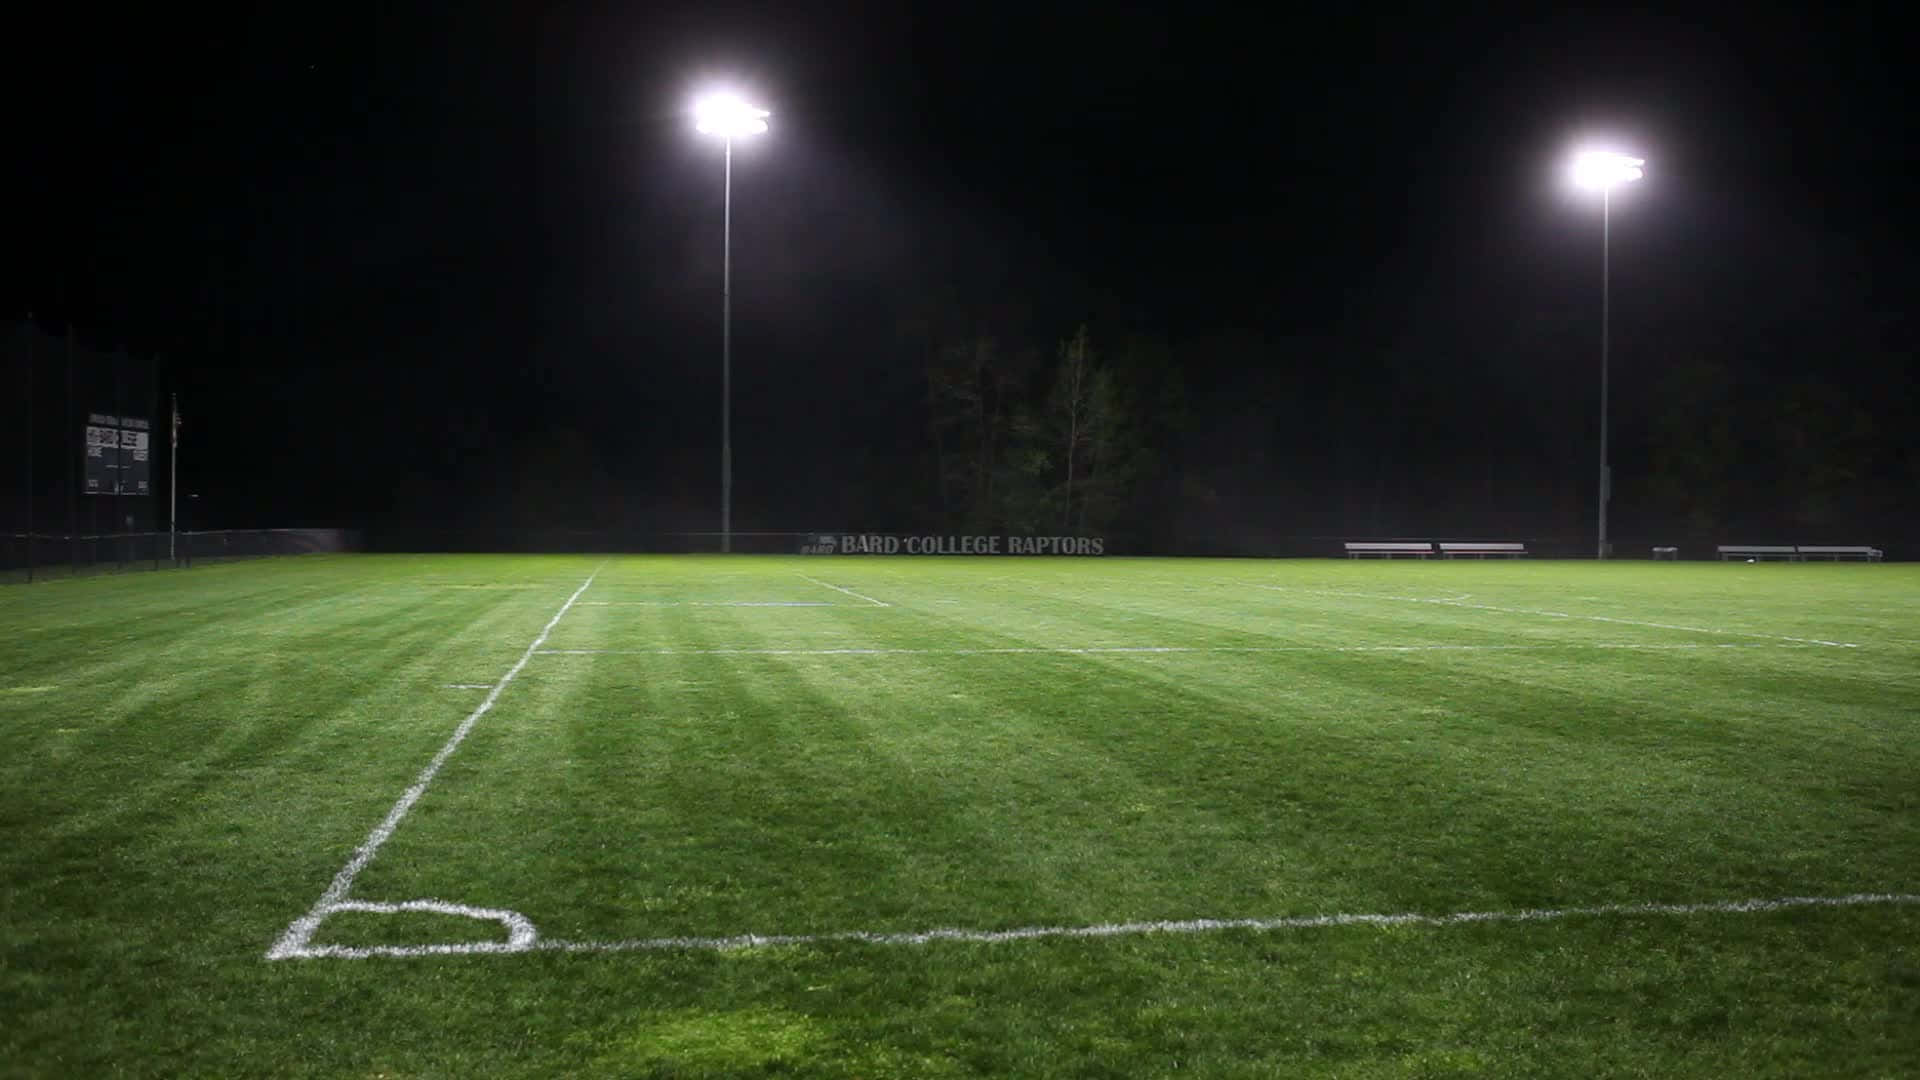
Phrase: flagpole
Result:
[173,485]
[73,481]
[119,453]
[148,524]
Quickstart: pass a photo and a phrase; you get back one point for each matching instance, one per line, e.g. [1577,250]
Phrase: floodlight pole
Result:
[726,115]
[1606,301]
[726,353]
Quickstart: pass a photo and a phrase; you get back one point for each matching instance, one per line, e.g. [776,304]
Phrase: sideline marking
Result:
[469,686]
[849,592]
[299,932]
[528,940]
[1014,649]
[1558,615]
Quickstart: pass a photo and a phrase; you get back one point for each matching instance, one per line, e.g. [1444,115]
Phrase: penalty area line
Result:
[299,932]
[737,942]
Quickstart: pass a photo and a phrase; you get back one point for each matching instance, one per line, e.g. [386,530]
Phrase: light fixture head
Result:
[727,115]
[1603,170]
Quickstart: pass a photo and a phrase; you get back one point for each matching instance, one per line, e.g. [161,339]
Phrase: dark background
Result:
[447,270]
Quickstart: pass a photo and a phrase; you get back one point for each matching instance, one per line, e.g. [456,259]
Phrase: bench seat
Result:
[1759,551]
[1481,550]
[1841,551]
[1388,549]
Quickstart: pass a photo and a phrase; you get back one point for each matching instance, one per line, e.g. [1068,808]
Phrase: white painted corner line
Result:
[1451,602]
[849,592]
[521,935]
[522,938]
[300,932]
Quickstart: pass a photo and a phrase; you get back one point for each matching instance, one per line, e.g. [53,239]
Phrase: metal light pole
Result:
[1602,170]
[727,116]
[726,352]
[1606,310]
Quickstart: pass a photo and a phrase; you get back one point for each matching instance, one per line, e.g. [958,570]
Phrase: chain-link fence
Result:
[82,448]
[38,557]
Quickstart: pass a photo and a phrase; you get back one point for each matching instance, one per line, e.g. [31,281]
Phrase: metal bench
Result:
[1388,549]
[1455,550]
[1840,551]
[1759,551]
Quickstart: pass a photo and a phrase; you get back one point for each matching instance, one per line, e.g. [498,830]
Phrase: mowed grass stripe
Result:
[1813,601]
[682,626]
[1371,754]
[1465,602]
[1026,619]
[278,714]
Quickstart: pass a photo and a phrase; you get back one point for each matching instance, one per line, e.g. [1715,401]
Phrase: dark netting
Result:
[18,424]
[83,468]
[66,555]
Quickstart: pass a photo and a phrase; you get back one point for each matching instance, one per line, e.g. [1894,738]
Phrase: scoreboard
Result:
[118,453]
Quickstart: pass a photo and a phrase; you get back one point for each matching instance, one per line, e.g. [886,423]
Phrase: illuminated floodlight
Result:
[727,115]
[1603,170]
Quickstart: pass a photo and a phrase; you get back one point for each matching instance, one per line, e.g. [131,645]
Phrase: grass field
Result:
[545,816]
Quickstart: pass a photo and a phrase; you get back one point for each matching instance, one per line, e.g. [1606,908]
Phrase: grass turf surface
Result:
[706,748]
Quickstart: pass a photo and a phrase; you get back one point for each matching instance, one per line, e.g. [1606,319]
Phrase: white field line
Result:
[849,592]
[712,603]
[522,937]
[298,933]
[1123,649]
[519,928]
[1558,615]
[469,686]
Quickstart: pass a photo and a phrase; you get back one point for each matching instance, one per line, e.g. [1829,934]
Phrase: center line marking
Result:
[849,592]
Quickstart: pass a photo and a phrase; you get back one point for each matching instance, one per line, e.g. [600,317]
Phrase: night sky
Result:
[458,267]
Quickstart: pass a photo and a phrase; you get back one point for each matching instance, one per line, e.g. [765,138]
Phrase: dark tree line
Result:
[1066,438]
[1251,441]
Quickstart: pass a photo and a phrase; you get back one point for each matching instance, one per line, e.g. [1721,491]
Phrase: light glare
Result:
[727,115]
[1599,170]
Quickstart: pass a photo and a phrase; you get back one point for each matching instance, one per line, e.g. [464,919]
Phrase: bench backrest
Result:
[1447,546]
[1757,549]
[1395,546]
[1831,549]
